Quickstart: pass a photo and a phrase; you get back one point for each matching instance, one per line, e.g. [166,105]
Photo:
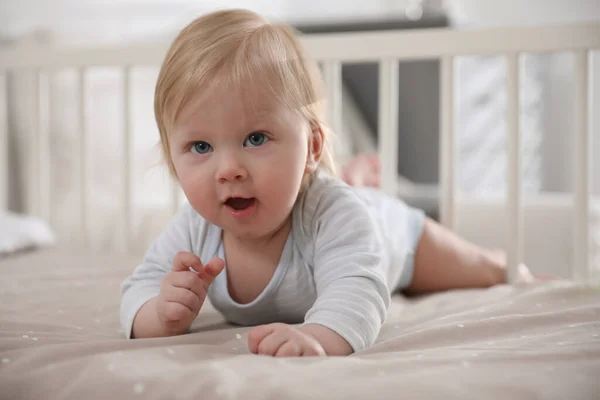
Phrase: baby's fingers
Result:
[184,260]
[185,297]
[289,349]
[189,280]
[313,349]
[211,270]
[269,340]
[256,336]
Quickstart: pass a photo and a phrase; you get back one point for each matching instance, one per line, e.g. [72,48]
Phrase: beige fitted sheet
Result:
[60,338]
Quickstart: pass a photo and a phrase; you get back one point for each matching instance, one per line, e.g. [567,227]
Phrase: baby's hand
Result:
[182,291]
[282,340]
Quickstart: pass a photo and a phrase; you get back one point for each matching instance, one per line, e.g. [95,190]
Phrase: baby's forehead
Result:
[233,107]
[232,104]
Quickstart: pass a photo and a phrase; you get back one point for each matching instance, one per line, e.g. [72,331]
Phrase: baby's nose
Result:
[231,169]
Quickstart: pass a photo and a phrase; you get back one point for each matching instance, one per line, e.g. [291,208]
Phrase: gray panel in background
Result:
[418,106]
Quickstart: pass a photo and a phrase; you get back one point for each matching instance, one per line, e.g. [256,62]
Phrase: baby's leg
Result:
[445,261]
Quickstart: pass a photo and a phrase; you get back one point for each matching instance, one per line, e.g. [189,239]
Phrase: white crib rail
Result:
[84,167]
[387,48]
[447,155]
[127,219]
[388,124]
[582,104]
[4,167]
[332,75]
[43,143]
[513,172]
[34,199]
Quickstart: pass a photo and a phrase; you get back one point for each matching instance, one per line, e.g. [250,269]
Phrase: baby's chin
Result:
[256,230]
[248,234]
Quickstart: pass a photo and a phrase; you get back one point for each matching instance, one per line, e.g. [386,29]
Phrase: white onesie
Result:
[347,251]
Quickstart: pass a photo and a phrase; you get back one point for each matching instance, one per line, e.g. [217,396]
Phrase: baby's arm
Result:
[332,343]
[181,297]
[352,294]
[157,292]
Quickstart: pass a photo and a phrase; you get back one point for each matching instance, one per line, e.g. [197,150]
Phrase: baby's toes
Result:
[373,161]
[525,275]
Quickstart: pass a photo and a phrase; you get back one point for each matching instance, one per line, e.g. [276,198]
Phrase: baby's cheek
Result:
[285,186]
[190,189]
[201,196]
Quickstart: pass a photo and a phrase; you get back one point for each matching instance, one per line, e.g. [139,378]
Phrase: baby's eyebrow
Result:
[188,134]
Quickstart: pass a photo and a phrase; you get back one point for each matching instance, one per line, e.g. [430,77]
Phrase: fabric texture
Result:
[61,339]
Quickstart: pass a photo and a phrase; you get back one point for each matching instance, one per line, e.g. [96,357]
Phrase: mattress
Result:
[60,338]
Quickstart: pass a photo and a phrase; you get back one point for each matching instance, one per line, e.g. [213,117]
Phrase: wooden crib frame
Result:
[332,50]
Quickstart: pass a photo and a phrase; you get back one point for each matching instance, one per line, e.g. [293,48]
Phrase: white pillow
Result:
[21,232]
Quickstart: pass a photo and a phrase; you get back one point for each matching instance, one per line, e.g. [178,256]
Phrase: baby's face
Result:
[240,163]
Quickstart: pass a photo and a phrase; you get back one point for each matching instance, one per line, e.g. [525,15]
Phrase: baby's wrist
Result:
[148,322]
[172,328]
[332,342]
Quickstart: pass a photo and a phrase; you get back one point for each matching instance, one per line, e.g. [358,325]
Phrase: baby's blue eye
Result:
[201,147]
[256,139]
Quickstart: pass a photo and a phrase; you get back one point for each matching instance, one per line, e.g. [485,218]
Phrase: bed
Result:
[60,338]
[59,294]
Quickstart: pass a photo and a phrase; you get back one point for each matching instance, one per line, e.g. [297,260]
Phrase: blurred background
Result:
[547,95]
[548,77]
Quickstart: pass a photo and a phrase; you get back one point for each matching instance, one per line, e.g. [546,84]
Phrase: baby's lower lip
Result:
[244,212]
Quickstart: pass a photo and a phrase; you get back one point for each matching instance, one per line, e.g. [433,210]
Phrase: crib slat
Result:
[43,155]
[33,176]
[447,155]
[388,124]
[332,73]
[4,190]
[514,200]
[83,159]
[581,266]
[127,181]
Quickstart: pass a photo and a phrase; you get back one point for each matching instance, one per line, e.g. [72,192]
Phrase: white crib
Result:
[332,50]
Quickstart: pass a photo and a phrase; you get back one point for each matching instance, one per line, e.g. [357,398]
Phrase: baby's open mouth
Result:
[239,203]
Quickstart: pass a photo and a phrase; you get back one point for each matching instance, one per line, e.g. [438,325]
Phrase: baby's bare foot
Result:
[524,273]
[362,170]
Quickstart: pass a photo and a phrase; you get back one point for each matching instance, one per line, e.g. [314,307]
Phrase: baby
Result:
[270,235]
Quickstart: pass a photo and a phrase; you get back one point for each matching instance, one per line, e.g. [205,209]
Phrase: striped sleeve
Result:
[352,295]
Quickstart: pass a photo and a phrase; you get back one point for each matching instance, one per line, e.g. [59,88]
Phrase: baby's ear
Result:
[315,147]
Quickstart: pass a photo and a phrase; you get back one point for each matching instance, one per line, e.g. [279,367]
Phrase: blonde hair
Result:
[239,47]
